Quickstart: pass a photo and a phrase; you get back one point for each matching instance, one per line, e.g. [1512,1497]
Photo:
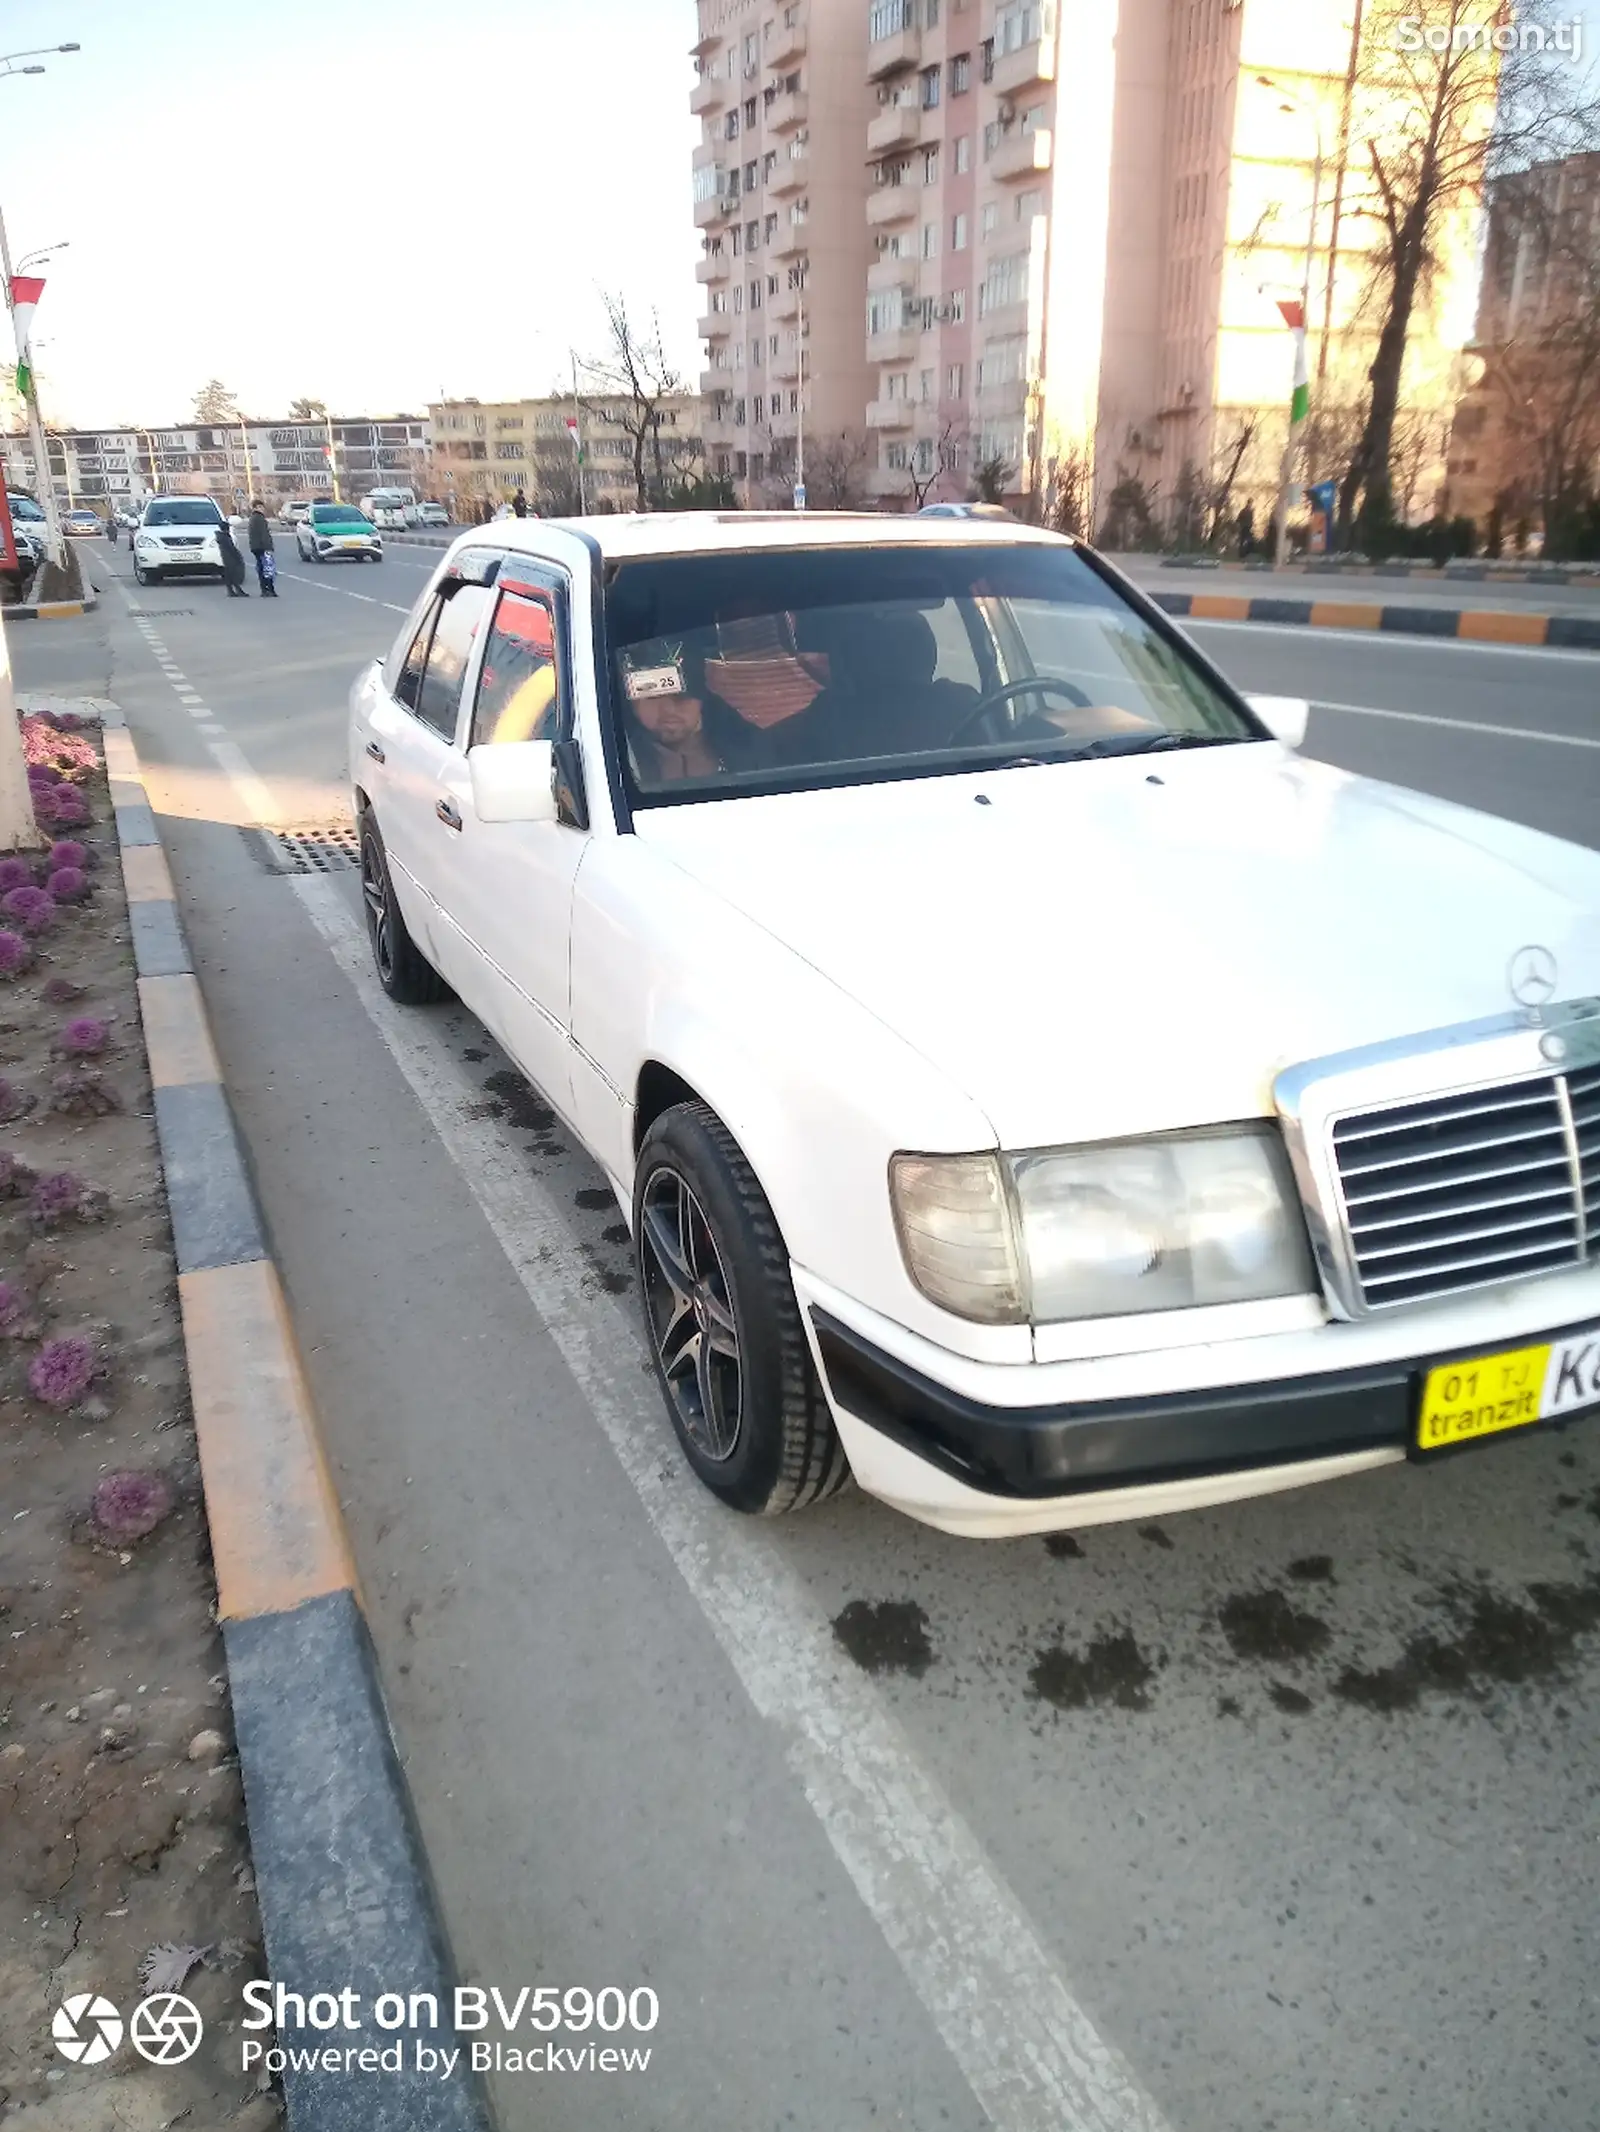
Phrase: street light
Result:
[43,253]
[1290,104]
[56,545]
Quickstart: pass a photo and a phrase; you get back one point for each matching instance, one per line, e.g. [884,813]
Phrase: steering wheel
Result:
[1035,685]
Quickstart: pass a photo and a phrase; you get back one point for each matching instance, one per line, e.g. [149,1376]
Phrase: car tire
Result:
[779,1450]
[404,972]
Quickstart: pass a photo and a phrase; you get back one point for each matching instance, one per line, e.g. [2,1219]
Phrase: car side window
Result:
[522,692]
[449,652]
[408,682]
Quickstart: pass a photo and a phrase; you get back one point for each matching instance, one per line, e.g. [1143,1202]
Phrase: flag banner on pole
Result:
[1294,318]
[577,439]
[24,381]
[26,289]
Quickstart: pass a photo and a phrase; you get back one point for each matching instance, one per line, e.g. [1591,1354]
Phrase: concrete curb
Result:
[340,1871]
[49,610]
[1487,625]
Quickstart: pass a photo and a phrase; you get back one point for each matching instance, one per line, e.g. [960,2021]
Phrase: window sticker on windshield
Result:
[654,669]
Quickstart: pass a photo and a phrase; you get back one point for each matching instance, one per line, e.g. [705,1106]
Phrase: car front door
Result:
[515,881]
[415,728]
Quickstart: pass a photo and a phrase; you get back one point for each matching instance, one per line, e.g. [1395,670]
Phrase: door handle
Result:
[376,752]
[446,811]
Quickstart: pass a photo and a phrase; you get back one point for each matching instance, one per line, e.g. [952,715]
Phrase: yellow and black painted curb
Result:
[1486,625]
[341,1875]
[48,610]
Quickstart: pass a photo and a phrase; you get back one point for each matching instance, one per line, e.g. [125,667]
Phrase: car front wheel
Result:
[725,1335]
[404,972]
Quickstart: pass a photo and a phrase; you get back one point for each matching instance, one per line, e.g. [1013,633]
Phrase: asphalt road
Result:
[1363,588]
[1282,1815]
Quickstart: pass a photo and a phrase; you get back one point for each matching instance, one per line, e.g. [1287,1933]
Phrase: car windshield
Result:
[783,669]
[181,511]
[24,507]
[336,514]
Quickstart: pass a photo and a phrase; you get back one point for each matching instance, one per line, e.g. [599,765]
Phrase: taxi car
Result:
[1032,1086]
[331,532]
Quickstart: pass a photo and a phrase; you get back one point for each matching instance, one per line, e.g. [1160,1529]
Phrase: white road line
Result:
[232,762]
[1030,2054]
[1460,725]
[1388,640]
[366,598]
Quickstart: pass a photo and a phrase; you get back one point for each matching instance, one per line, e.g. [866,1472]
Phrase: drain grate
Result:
[157,614]
[327,848]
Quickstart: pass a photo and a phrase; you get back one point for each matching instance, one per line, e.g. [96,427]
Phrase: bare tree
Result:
[215,403]
[1068,490]
[635,378]
[1232,441]
[992,475]
[928,467]
[1442,103]
[835,466]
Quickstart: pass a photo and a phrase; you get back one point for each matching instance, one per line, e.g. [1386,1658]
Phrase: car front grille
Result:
[1471,1188]
[182,540]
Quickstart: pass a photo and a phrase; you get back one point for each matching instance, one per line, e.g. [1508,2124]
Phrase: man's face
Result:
[672,719]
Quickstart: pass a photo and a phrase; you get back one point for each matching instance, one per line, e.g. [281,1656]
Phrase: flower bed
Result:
[123,1858]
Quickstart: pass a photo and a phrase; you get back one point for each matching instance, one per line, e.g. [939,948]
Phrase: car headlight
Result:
[1053,1234]
[146,540]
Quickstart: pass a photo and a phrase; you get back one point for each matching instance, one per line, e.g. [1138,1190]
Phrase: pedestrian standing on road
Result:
[232,559]
[261,547]
[519,504]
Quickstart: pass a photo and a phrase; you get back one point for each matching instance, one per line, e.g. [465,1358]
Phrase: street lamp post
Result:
[41,457]
[1285,471]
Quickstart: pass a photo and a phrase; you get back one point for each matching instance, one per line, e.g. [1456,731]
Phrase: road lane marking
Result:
[1459,725]
[368,599]
[1029,2052]
[1392,640]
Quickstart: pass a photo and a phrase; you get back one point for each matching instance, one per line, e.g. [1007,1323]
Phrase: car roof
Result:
[626,535]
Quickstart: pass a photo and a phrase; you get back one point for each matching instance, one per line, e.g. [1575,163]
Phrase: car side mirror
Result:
[1285,717]
[513,781]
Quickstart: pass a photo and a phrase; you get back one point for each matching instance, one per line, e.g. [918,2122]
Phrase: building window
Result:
[770,227]
[930,165]
[752,236]
[772,345]
[752,50]
[758,466]
[738,465]
[755,296]
[894,387]
[894,456]
[1016,26]
[730,126]
[929,96]
[956,381]
[738,414]
[963,154]
[958,233]
[1005,283]
[738,299]
[991,216]
[749,113]
[750,177]
[887,18]
[755,408]
[961,74]
[930,240]
[772,284]
[1029,204]
[925,385]
[986,59]
[769,163]
[930,14]
[924,456]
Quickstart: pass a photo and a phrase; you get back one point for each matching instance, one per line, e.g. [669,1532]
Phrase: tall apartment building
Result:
[782,92]
[1082,215]
[228,460]
[485,450]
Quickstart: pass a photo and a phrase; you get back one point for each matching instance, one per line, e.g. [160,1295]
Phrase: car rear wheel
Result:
[724,1328]
[404,972]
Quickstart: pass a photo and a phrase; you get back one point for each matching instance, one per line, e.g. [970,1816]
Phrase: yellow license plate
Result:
[1488,1394]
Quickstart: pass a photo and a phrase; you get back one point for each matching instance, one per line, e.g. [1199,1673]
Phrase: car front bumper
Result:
[331,551]
[207,558]
[994,1450]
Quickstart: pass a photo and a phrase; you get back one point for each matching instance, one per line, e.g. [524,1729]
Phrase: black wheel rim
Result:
[689,1305]
[375,896]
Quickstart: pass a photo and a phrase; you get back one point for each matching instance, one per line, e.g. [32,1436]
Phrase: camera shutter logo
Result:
[87,2028]
[166,2028]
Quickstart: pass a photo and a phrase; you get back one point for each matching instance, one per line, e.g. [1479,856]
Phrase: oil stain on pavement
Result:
[886,1636]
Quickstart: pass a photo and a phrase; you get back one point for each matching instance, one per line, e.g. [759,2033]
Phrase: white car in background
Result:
[1031,1085]
[432,514]
[176,535]
[294,514]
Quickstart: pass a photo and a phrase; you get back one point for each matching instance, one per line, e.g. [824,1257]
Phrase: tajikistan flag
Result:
[1294,317]
[26,289]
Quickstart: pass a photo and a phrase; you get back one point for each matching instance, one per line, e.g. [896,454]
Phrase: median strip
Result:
[1569,632]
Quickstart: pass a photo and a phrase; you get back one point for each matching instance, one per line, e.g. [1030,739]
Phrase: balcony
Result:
[786,304]
[785,364]
[1035,62]
[714,381]
[792,237]
[890,204]
[890,414]
[1021,155]
[713,325]
[709,93]
[889,272]
[787,112]
[711,209]
[712,266]
[900,346]
[787,46]
[792,172]
[893,54]
[897,126]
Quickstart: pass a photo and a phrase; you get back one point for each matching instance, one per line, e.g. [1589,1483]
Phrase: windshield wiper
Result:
[1137,744]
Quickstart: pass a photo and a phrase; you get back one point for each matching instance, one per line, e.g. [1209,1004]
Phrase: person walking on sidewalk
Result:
[232,560]
[261,547]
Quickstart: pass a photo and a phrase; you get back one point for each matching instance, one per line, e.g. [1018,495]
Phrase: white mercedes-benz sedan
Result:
[1032,1087]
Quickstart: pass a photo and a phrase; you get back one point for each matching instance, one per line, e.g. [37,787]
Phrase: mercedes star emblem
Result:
[1532,976]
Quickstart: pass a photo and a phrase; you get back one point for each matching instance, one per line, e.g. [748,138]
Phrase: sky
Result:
[368,202]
